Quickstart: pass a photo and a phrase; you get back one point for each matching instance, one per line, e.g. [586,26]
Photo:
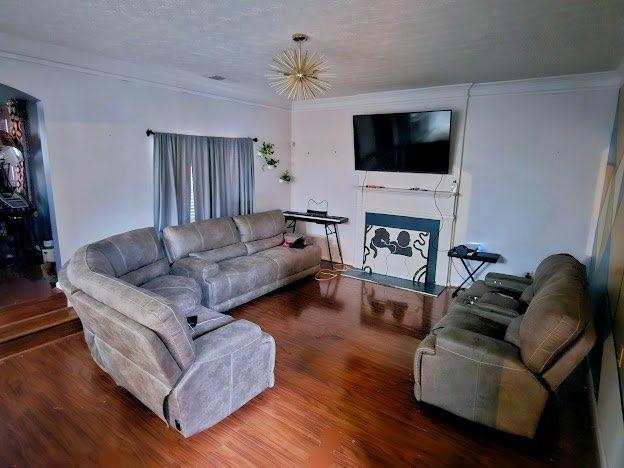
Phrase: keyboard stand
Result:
[483,257]
[330,225]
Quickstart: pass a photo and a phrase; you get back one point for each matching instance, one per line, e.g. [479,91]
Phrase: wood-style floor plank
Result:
[343,396]
[37,323]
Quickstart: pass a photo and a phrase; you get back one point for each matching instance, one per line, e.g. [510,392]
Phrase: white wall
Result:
[531,170]
[531,160]
[323,165]
[100,158]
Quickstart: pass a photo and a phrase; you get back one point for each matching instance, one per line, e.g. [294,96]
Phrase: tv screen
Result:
[408,142]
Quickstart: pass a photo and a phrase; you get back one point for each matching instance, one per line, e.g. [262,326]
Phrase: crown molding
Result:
[402,96]
[28,51]
[550,84]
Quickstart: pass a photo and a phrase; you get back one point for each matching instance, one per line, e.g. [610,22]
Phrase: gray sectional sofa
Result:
[235,260]
[145,324]
[506,344]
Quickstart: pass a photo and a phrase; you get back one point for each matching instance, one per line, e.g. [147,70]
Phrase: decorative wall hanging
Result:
[265,153]
[17,115]
[299,74]
[285,178]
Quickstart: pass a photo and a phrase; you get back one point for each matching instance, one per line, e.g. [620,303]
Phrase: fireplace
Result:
[400,251]
[401,246]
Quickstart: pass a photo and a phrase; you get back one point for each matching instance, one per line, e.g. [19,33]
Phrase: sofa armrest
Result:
[514,284]
[480,348]
[482,379]
[426,347]
[194,267]
[226,340]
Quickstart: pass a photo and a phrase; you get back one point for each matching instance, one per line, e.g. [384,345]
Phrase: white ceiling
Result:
[372,45]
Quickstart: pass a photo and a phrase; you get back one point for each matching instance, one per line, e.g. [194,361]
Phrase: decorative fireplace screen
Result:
[401,246]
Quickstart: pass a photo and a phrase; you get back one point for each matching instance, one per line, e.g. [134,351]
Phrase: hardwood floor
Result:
[23,286]
[36,323]
[343,395]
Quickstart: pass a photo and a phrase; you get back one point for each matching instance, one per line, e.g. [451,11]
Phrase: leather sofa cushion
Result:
[258,226]
[129,251]
[264,244]
[147,273]
[292,261]
[495,301]
[517,284]
[476,289]
[139,304]
[238,276]
[208,320]
[512,335]
[194,267]
[471,322]
[554,264]
[182,291]
[200,236]
[221,253]
[556,316]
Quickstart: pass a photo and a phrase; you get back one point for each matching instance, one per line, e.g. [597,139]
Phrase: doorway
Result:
[28,248]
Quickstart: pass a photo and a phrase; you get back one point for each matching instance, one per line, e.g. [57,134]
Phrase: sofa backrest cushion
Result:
[128,252]
[548,267]
[88,272]
[556,316]
[259,226]
[264,244]
[554,264]
[200,236]
[222,253]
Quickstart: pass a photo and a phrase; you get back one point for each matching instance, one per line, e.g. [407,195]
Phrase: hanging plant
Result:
[285,178]
[265,153]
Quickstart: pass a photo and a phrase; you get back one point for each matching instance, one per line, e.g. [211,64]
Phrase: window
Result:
[192,218]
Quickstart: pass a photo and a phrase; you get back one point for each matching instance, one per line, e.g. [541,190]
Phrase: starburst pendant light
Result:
[299,74]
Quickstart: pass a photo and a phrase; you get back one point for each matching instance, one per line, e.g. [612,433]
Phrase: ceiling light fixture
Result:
[299,74]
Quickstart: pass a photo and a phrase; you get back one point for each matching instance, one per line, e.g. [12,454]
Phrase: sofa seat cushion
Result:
[471,322]
[182,291]
[238,276]
[291,261]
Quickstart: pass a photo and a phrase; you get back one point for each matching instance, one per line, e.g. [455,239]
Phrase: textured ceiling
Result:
[372,45]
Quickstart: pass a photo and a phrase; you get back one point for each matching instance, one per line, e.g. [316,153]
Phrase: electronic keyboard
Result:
[315,217]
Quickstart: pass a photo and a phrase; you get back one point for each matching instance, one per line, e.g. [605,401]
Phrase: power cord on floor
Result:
[328,274]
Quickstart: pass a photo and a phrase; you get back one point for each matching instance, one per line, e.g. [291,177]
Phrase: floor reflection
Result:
[391,308]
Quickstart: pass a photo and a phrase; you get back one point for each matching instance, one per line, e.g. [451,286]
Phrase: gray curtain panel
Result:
[222,171]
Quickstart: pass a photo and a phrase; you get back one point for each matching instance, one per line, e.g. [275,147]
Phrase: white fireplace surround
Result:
[412,204]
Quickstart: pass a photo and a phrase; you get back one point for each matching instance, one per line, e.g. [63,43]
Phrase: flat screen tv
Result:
[407,142]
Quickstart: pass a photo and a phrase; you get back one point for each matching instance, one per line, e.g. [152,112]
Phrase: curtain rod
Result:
[151,132]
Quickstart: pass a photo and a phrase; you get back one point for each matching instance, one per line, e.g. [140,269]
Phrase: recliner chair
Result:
[501,375]
[501,297]
[190,365]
